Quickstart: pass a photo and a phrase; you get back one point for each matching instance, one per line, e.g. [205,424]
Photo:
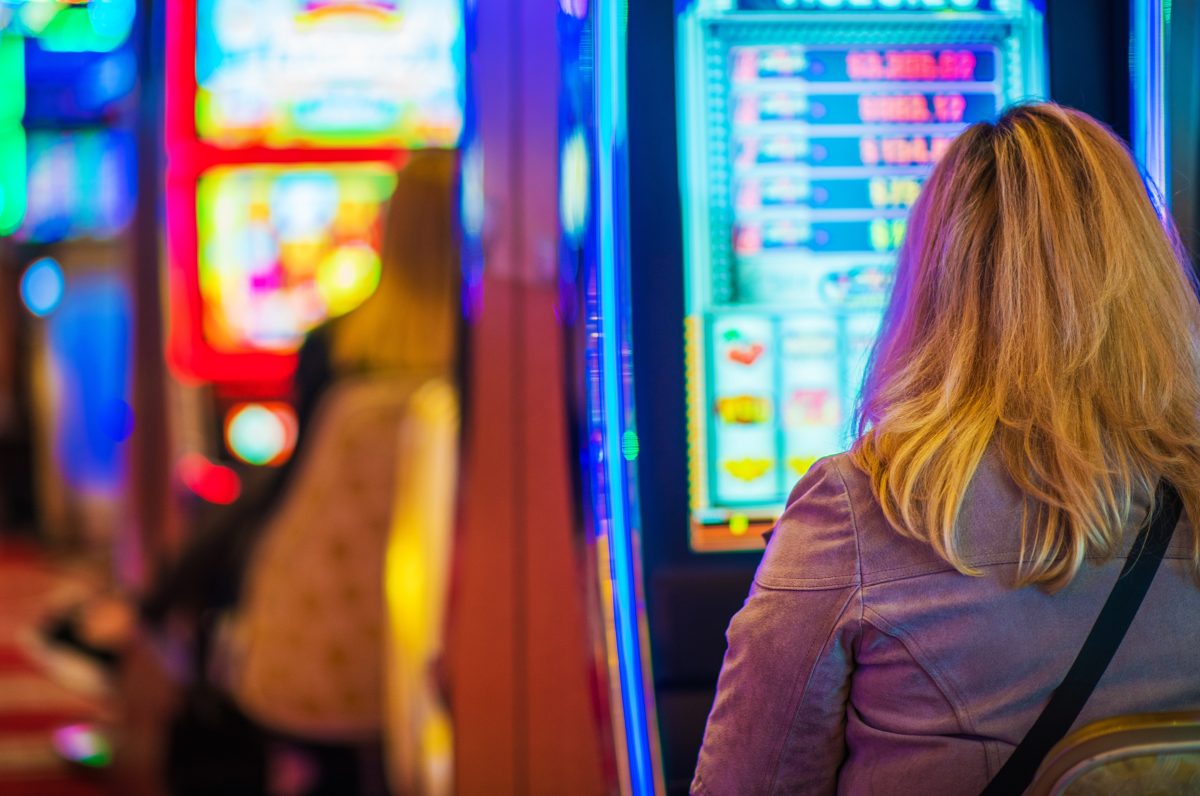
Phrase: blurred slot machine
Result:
[285,124]
[754,162]
[68,188]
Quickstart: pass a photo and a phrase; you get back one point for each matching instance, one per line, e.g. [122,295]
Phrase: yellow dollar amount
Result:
[893,191]
[801,464]
[887,234]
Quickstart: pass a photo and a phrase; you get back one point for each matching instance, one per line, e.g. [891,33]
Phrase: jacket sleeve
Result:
[778,722]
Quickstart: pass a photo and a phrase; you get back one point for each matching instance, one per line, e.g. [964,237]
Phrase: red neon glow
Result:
[917,150]
[910,108]
[748,240]
[925,65]
[214,483]
[189,354]
[949,107]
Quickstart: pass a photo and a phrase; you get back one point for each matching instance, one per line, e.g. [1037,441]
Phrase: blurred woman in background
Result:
[275,557]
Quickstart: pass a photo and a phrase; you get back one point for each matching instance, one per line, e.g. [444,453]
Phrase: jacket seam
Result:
[857,539]
[998,559]
[829,636]
[800,698]
[807,584]
[962,714]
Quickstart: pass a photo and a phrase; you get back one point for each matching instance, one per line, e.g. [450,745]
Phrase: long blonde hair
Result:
[410,322]
[1042,309]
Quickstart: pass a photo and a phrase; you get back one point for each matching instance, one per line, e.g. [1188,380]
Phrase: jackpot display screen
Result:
[339,73]
[282,248]
[808,128]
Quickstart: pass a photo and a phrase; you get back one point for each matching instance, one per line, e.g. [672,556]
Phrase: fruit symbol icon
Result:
[743,410]
[746,354]
[747,469]
[801,464]
[739,349]
[812,407]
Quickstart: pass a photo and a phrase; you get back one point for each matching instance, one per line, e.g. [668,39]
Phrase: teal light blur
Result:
[95,26]
[257,435]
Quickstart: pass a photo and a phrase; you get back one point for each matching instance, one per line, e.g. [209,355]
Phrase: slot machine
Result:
[751,166]
[68,192]
[285,124]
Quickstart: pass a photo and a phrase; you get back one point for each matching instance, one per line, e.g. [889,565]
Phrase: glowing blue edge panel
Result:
[1148,32]
[616,513]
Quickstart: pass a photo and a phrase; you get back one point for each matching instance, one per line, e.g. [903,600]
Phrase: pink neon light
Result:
[190,357]
[947,65]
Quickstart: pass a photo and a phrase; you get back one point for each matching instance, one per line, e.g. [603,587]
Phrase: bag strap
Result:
[1114,620]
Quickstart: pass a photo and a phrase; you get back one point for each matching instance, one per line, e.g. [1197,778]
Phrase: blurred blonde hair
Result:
[1041,309]
[410,322]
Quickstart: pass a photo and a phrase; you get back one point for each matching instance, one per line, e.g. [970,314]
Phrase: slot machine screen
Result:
[282,248]
[345,73]
[809,128]
[81,184]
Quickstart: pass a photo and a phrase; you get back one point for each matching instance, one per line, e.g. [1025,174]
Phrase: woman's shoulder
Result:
[834,532]
[815,543]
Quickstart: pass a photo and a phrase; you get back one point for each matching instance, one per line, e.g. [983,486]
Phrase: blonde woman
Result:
[1035,380]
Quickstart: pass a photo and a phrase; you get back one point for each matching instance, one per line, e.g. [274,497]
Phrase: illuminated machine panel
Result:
[282,73]
[284,248]
[809,127]
[81,184]
[262,98]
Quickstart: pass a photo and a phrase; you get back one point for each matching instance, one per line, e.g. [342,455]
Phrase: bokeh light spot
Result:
[574,8]
[575,176]
[42,286]
[630,447]
[111,18]
[347,277]
[261,434]
[212,482]
[83,744]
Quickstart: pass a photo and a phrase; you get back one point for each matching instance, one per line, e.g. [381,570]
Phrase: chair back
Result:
[1152,753]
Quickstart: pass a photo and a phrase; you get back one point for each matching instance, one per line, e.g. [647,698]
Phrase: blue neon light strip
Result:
[613,259]
[1148,34]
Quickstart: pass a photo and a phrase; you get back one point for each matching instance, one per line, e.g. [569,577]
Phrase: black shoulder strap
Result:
[1111,625]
